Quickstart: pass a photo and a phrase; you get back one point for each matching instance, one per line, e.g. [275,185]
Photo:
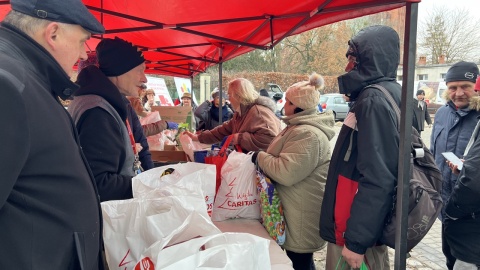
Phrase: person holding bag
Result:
[297,160]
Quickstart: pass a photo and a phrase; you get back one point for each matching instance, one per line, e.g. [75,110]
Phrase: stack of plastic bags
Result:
[167,226]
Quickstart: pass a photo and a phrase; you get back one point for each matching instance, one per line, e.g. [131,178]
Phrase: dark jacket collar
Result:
[38,60]
[92,81]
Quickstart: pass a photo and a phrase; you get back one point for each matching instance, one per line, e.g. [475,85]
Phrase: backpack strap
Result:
[416,152]
[390,100]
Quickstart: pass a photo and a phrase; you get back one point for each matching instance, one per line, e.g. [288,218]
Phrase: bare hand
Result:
[353,259]
[138,147]
[453,167]
[191,135]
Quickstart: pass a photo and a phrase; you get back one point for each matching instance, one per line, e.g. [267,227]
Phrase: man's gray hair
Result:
[27,24]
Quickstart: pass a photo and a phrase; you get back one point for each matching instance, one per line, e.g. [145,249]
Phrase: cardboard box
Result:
[177,114]
[170,154]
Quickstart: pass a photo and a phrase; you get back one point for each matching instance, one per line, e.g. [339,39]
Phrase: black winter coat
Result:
[363,168]
[101,137]
[463,233]
[420,115]
[50,216]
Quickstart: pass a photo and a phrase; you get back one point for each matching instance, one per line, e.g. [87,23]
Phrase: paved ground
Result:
[426,255]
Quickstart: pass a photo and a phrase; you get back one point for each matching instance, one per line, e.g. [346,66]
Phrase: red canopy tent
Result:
[185,37]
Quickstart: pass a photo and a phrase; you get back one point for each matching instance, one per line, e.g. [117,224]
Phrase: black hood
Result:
[92,81]
[377,50]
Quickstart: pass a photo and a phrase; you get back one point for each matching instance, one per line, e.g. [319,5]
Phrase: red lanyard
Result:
[132,140]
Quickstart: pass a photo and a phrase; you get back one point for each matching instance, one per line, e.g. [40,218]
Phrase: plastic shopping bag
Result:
[172,215]
[237,196]
[341,263]
[223,251]
[218,159]
[155,142]
[189,146]
[271,209]
[195,177]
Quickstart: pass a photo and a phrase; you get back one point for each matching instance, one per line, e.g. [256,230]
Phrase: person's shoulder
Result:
[443,110]
[265,103]
[12,70]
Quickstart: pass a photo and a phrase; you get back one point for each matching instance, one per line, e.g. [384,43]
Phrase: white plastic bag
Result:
[189,146]
[172,215]
[196,177]
[223,251]
[237,196]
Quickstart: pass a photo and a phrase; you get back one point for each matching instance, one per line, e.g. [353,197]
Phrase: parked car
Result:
[276,93]
[336,103]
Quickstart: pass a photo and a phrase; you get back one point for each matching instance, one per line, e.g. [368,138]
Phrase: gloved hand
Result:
[172,125]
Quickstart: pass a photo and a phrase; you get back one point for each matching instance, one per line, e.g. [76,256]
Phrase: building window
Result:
[443,75]
[399,78]
[422,77]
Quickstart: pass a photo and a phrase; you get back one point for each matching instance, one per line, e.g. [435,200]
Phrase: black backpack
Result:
[425,187]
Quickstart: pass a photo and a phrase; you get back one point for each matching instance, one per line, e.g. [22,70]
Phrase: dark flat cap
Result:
[65,11]
[462,71]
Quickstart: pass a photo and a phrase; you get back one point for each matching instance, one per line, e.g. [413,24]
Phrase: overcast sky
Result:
[473,5]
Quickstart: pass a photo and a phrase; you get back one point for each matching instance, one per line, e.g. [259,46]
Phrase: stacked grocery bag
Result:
[168,225]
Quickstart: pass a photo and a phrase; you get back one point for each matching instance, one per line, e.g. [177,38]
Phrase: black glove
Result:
[254,157]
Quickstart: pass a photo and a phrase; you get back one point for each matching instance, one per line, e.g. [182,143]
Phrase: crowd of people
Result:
[59,165]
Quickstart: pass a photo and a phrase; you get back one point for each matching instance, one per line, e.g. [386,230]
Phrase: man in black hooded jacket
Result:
[363,168]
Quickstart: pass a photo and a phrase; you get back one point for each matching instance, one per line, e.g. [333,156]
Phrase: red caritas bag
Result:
[218,159]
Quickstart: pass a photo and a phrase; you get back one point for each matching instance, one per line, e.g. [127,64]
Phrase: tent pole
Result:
[404,158]
[220,89]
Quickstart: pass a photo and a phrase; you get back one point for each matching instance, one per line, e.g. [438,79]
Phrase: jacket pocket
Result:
[345,193]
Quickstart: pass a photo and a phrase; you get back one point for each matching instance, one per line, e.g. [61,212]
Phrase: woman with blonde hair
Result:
[298,160]
[254,123]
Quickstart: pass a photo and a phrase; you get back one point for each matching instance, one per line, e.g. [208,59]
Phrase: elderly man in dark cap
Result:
[420,112]
[103,119]
[50,216]
[453,126]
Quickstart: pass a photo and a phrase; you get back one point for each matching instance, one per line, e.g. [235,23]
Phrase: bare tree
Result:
[451,34]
